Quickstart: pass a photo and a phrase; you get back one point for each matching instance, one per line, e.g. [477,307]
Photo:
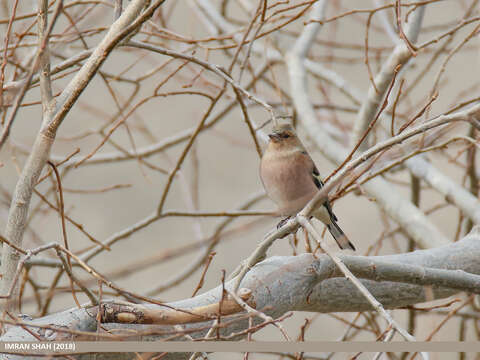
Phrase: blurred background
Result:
[115,189]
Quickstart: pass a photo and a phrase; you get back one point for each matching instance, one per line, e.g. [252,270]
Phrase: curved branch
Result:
[412,220]
[17,217]
[400,55]
[303,283]
[452,191]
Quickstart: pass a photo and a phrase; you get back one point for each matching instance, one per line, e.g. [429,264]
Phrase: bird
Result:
[291,180]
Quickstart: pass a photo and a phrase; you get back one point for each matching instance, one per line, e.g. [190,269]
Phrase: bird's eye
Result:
[284,136]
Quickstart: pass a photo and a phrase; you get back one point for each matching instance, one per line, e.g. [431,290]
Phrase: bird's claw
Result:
[282,222]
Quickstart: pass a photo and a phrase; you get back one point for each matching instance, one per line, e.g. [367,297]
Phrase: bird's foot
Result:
[282,222]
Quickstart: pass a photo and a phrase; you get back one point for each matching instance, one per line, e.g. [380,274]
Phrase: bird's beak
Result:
[274,137]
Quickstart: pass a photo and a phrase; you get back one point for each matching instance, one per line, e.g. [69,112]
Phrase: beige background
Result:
[228,172]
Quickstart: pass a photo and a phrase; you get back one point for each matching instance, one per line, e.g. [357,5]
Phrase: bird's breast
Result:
[288,182]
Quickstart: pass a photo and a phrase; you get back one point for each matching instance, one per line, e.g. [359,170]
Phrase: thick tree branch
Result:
[412,220]
[304,283]
[41,149]
[452,191]
[399,56]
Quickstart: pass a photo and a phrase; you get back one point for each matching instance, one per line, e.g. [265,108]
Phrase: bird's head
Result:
[282,136]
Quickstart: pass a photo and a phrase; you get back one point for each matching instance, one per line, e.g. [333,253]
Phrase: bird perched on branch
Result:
[291,180]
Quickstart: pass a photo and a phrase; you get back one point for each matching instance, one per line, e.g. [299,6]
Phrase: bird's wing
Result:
[319,184]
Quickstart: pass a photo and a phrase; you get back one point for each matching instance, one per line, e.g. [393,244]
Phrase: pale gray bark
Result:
[410,218]
[41,149]
[399,56]
[282,284]
[452,191]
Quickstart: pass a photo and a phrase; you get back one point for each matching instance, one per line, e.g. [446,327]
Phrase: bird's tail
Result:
[341,239]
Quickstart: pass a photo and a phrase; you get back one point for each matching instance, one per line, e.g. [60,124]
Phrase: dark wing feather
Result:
[319,184]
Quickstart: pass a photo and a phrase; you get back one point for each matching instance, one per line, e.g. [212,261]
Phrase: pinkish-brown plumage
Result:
[283,182]
[291,179]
